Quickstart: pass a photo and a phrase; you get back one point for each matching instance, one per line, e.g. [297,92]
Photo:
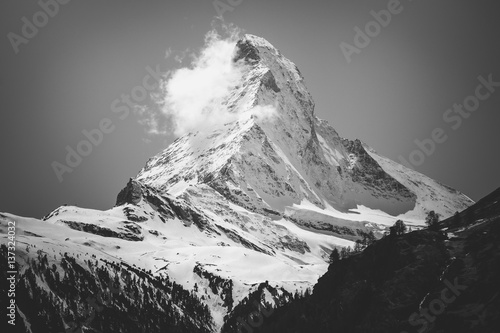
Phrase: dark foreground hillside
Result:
[446,280]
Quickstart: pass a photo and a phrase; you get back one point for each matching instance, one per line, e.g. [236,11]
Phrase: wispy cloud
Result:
[190,97]
[192,94]
[168,53]
[152,121]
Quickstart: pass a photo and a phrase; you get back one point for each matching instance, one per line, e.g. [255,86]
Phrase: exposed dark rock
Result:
[132,193]
[369,173]
[245,50]
[218,285]
[340,231]
[130,213]
[132,234]
[269,82]
[294,244]
[238,319]
[133,228]
[238,239]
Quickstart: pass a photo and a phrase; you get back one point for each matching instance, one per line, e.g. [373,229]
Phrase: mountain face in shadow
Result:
[443,280]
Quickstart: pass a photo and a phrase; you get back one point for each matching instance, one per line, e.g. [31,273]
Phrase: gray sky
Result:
[395,90]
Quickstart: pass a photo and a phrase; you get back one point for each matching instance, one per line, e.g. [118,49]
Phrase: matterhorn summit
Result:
[255,201]
[277,156]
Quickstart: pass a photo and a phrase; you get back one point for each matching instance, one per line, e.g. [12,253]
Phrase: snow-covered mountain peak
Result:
[259,49]
[275,154]
[258,42]
[272,76]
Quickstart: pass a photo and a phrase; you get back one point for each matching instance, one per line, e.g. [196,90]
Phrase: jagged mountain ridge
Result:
[266,164]
[263,197]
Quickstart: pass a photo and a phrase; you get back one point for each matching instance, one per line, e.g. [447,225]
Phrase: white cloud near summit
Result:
[190,94]
[190,97]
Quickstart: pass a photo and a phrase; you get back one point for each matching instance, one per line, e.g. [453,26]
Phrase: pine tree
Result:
[345,252]
[334,256]
[399,228]
[432,220]
[358,246]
